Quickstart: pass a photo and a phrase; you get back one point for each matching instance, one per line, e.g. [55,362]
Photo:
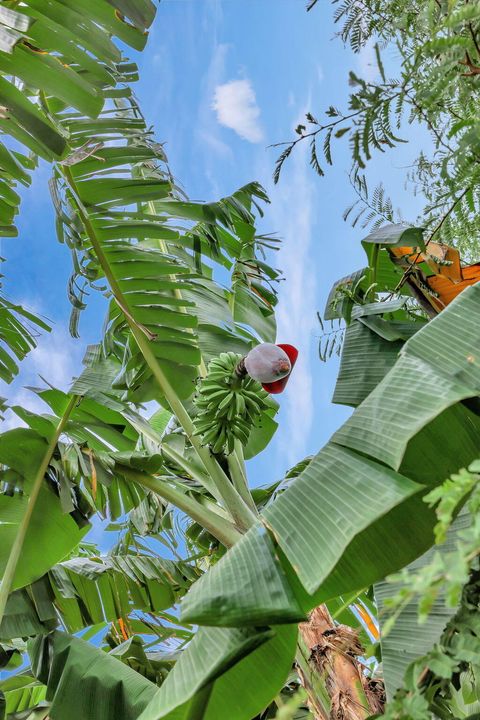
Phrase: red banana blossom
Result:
[278,386]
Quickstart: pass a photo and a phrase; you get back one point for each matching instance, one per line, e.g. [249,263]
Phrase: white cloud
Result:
[236,107]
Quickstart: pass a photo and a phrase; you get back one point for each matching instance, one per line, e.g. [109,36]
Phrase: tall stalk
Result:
[242,514]
[236,467]
[235,459]
[219,527]
[330,662]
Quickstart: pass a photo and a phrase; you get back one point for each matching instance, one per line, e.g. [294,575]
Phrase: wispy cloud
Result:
[57,358]
[207,133]
[367,62]
[292,210]
[236,107]
[214,143]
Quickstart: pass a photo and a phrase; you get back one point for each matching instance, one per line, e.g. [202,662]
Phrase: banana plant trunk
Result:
[332,653]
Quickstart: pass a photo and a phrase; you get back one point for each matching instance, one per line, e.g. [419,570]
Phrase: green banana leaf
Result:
[84,592]
[21,692]
[366,359]
[47,541]
[104,688]
[88,591]
[21,618]
[17,338]
[205,681]
[409,639]
[348,518]
[395,235]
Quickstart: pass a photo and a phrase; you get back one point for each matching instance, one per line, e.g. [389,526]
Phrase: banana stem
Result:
[177,293]
[241,513]
[312,682]
[16,551]
[236,466]
[191,469]
[219,527]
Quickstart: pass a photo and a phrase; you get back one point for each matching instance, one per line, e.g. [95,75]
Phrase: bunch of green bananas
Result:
[228,405]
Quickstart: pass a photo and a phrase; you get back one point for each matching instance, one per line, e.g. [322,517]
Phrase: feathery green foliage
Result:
[436,45]
[445,585]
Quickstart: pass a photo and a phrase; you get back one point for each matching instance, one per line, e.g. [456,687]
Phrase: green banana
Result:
[228,405]
[225,402]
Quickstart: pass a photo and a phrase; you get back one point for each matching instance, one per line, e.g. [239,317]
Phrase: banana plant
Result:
[422,405]
[221,597]
[120,231]
[63,89]
[176,336]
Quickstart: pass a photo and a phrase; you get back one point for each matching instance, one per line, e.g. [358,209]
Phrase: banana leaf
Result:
[409,639]
[349,518]
[206,680]
[103,686]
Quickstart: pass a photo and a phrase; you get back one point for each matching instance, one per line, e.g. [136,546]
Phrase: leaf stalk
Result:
[219,527]
[241,513]
[16,551]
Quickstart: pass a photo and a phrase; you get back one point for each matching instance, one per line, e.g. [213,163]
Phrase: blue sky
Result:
[220,81]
